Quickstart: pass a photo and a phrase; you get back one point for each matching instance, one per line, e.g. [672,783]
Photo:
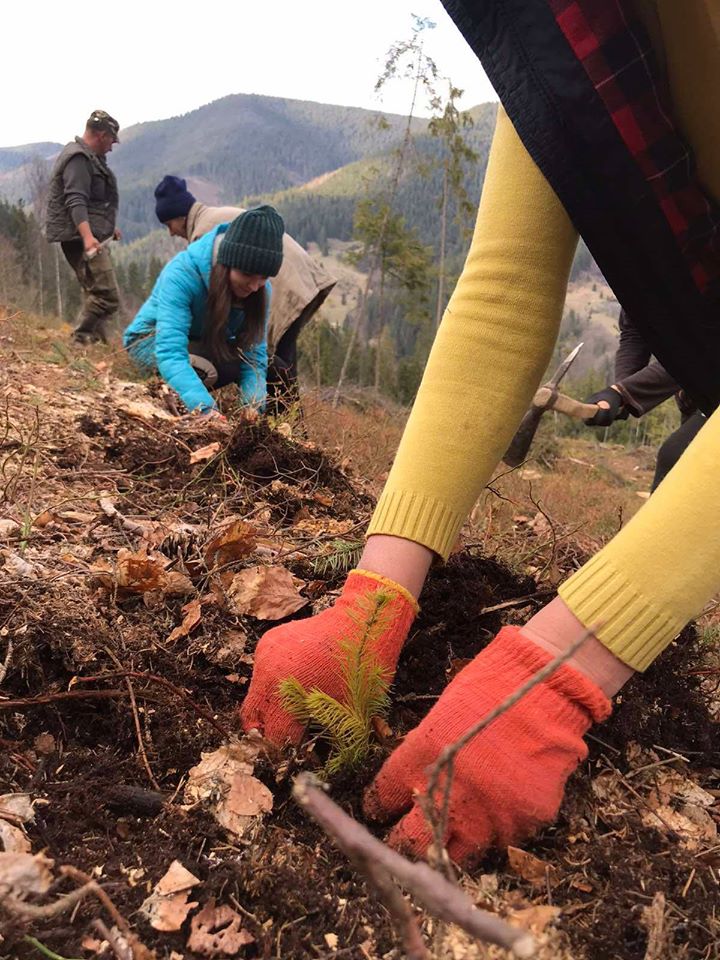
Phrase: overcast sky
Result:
[146,59]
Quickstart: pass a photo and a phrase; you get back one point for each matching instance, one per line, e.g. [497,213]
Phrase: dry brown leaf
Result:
[175,879]
[22,874]
[534,918]
[143,410]
[234,541]
[530,867]
[693,824]
[44,744]
[268,593]
[143,572]
[217,932]
[167,907]
[193,613]
[669,784]
[13,839]
[8,527]
[246,799]
[44,519]
[16,806]
[17,567]
[205,453]
[223,781]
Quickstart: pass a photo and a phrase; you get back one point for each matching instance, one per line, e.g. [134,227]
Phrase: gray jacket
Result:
[82,187]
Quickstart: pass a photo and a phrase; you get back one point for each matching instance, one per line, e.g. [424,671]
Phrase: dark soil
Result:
[97,807]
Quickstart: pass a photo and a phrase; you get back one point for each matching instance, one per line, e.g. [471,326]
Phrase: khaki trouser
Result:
[100,290]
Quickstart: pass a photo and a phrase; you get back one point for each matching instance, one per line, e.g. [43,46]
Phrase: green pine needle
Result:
[347,724]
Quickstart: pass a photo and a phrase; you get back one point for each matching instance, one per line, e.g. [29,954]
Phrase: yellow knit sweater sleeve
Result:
[493,346]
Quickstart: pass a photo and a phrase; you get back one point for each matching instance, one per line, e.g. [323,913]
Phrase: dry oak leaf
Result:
[22,874]
[13,839]
[193,613]
[167,907]
[217,932]
[223,780]
[530,867]
[233,542]
[267,593]
[143,572]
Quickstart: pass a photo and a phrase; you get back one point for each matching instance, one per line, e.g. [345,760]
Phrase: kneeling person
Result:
[301,287]
[205,322]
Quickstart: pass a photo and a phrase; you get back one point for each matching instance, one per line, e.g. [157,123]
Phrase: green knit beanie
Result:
[253,242]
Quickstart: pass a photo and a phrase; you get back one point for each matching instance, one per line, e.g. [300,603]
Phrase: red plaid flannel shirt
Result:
[616,54]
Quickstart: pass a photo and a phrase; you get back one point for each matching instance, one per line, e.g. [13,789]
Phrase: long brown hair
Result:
[219,304]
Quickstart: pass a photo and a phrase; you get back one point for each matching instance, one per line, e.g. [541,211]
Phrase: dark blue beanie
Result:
[172,199]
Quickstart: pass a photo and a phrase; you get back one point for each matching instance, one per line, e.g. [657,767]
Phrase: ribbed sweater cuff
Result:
[630,626]
[422,519]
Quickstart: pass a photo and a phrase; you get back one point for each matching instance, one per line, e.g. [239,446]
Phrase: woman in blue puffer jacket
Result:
[204,324]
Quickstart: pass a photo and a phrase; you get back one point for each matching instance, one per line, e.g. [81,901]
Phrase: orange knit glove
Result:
[509,780]
[309,651]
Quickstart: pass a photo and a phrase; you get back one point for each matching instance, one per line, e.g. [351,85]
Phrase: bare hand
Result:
[91,246]
[117,235]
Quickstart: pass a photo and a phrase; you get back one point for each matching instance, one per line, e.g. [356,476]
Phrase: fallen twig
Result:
[111,511]
[67,695]
[139,675]
[517,602]
[139,950]
[136,718]
[31,911]
[440,897]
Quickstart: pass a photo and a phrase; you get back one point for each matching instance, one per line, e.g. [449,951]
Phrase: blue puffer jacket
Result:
[174,314]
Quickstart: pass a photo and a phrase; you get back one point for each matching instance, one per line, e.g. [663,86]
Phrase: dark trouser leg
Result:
[282,385]
[100,290]
[213,372]
[283,393]
[673,448]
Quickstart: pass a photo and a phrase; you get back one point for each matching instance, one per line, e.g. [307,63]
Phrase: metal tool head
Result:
[564,366]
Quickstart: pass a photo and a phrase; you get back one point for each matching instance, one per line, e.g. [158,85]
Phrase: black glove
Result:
[617,411]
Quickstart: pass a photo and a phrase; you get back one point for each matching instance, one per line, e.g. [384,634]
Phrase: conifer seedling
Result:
[347,723]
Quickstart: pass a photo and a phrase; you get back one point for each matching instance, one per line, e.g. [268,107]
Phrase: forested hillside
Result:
[237,146]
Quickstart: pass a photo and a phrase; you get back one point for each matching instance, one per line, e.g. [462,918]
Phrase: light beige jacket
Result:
[301,286]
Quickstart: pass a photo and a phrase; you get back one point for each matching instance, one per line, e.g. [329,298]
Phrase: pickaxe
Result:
[547,398]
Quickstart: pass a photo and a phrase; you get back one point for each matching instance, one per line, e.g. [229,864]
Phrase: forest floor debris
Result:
[141,558]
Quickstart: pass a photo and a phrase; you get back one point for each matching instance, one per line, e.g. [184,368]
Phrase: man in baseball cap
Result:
[101,121]
[81,212]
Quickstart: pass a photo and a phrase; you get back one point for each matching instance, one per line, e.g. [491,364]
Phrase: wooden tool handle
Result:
[567,405]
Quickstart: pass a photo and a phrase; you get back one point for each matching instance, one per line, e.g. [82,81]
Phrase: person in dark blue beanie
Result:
[172,200]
